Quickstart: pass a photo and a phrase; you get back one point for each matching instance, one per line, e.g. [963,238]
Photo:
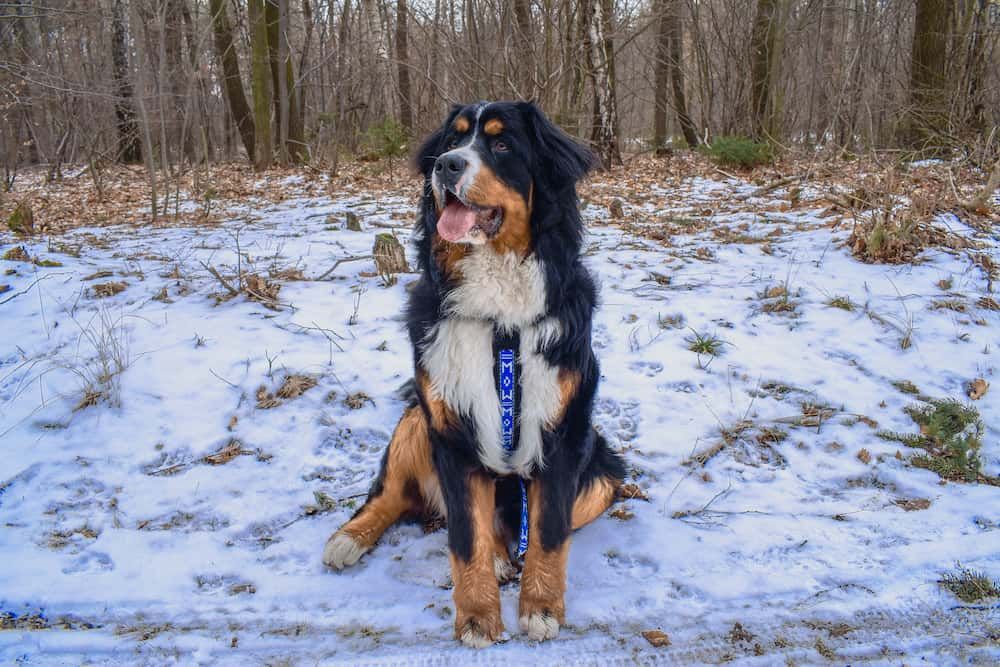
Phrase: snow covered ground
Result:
[157,505]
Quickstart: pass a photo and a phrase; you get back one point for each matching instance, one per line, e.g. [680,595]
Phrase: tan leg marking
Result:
[409,461]
[477,595]
[542,609]
[569,384]
[591,503]
[441,415]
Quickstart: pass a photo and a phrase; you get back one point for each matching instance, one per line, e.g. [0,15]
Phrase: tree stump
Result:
[22,220]
[390,257]
[353,222]
[617,209]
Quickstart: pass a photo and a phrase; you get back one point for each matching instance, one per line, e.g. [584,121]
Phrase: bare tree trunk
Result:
[284,84]
[661,76]
[523,56]
[403,67]
[676,36]
[604,134]
[974,42]
[129,141]
[290,132]
[763,58]
[233,82]
[262,98]
[24,98]
[300,91]
[174,109]
[198,126]
[669,54]
[928,114]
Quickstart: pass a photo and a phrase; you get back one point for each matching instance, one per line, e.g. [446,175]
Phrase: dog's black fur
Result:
[529,169]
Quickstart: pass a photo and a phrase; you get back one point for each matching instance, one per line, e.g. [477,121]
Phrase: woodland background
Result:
[174,83]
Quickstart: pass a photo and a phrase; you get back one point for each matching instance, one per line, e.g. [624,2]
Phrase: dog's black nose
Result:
[450,166]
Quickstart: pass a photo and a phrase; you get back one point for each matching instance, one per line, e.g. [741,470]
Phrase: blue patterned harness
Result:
[507,391]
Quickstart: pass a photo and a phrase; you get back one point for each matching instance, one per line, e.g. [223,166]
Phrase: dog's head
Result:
[489,166]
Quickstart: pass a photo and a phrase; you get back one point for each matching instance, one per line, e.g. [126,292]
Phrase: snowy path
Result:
[177,518]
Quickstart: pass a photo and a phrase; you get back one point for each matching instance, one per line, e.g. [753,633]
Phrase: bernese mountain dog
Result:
[498,438]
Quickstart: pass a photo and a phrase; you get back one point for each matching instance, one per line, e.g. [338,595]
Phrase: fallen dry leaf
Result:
[102,290]
[912,504]
[621,514]
[632,491]
[657,638]
[978,388]
[232,449]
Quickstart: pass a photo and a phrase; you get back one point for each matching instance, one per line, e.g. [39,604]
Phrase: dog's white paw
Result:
[540,626]
[342,550]
[503,569]
[474,638]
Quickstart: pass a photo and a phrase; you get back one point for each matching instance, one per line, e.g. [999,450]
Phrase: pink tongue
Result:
[455,222]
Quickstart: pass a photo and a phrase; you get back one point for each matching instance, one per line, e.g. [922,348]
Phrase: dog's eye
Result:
[500,146]
[453,144]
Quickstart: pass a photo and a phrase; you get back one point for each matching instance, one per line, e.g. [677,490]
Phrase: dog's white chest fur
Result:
[459,354]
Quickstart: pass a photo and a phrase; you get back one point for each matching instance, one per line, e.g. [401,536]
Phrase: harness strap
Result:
[507,391]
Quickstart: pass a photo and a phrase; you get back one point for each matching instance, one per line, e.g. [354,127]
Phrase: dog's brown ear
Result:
[562,160]
[431,148]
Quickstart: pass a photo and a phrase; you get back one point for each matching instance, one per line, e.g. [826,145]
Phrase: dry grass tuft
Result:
[358,400]
[291,273]
[265,399]
[842,302]
[17,254]
[232,449]
[906,387]
[295,385]
[912,504]
[957,305]
[776,299]
[100,375]
[988,303]
[704,343]
[969,585]
[886,238]
[104,290]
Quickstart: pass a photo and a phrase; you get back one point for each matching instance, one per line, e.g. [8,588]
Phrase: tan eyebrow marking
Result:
[493,127]
[461,124]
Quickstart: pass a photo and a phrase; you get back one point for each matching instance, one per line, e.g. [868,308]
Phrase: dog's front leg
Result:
[542,608]
[470,499]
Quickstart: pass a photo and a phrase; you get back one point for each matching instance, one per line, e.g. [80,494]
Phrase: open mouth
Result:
[460,219]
